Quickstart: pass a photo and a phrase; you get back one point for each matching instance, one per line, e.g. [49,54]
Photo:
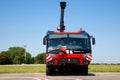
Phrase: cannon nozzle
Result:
[61,27]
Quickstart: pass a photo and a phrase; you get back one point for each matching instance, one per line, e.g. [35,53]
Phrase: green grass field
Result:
[42,68]
[22,69]
[104,68]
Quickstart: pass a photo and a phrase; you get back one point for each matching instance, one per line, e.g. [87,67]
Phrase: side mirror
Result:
[44,40]
[93,40]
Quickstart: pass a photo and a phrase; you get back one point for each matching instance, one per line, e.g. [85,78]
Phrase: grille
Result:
[69,61]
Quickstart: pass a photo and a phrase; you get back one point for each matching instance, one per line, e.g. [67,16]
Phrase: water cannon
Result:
[61,27]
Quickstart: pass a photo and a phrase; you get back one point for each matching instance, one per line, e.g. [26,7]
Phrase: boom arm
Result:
[61,27]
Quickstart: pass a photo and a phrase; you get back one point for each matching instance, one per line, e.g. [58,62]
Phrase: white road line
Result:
[42,79]
[66,78]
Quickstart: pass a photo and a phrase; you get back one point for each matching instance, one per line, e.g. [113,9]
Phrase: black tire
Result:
[49,70]
[77,69]
[85,70]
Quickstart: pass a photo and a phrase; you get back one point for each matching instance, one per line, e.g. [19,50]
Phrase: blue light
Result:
[50,32]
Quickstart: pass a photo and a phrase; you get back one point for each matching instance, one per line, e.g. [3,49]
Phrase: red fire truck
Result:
[67,51]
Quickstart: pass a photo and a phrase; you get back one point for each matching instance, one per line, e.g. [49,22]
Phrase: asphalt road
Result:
[42,76]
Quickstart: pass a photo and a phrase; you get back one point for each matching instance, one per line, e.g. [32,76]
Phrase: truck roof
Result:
[77,32]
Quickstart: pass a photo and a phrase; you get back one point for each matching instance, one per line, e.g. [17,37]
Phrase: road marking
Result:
[58,78]
[42,79]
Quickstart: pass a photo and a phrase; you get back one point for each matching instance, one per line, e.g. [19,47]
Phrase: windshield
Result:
[69,41]
[57,41]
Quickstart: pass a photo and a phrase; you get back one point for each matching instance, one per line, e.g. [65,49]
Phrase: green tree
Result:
[19,55]
[40,58]
[28,58]
[32,60]
[5,58]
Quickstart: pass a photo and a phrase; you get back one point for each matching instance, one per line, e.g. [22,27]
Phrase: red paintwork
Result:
[78,32]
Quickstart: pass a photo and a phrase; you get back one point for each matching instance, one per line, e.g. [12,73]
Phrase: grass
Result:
[104,68]
[42,68]
[22,69]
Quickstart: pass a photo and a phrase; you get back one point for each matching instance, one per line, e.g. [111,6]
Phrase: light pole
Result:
[25,53]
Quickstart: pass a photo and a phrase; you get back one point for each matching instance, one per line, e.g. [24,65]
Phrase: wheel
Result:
[85,70]
[49,70]
[77,69]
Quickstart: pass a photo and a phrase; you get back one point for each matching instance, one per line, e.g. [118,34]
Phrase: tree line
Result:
[18,55]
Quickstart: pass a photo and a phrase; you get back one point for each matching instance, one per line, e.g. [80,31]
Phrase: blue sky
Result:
[25,22]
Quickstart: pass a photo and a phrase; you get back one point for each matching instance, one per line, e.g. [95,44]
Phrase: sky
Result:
[25,22]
